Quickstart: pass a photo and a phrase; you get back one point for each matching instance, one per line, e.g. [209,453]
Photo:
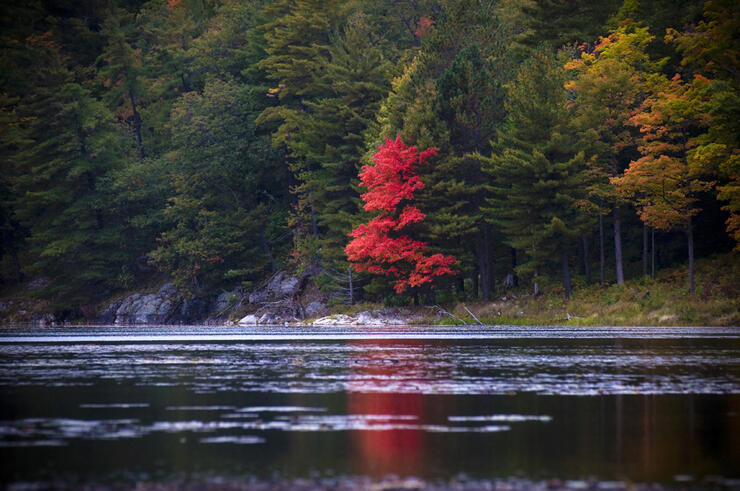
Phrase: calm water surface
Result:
[179,404]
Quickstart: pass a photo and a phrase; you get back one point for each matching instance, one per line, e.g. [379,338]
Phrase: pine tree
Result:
[298,39]
[227,209]
[538,178]
[565,22]
[330,137]
[65,147]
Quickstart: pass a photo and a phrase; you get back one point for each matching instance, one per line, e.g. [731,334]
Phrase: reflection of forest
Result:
[385,452]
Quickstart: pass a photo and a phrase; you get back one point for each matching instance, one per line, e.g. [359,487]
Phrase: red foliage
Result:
[425,24]
[376,246]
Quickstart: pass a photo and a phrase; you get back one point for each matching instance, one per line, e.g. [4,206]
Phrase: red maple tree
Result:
[378,246]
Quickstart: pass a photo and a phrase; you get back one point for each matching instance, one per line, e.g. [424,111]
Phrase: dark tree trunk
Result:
[266,249]
[586,266]
[652,253]
[514,277]
[351,289]
[566,275]
[18,271]
[602,264]
[484,286]
[474,286]
[690,240]
[461,286]
[314,223]
[484,266]
[618,246]
[536,284]
[137,125]
[644,249]
[491,277]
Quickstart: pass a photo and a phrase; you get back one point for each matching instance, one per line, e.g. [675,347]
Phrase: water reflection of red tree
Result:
[394,451]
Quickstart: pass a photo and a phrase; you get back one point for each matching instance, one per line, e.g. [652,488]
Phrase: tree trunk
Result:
[474,288]
[601,250]
[652,253]
[266,249]
[137,124]
[314,223]
[461,286]
[351,289]
[566,275]
[491,277]
[536,284]
[484,286]
[483,267]
[18,271]
[586,266]
[644,250]
[618,246]
[515,278]
[690,239]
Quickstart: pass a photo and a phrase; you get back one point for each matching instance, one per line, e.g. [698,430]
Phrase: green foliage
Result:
[538,177]
[220,140]
[63,146]
[566,22]
[227,206]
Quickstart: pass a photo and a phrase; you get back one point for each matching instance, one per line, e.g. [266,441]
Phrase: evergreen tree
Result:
[565,22]
[227,213]
[64,147]
[298,39]
[330,137]
[538,178]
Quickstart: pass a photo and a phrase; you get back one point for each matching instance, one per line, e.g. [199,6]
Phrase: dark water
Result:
[178,405]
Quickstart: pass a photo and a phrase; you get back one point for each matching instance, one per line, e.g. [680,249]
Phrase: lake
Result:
[472,406]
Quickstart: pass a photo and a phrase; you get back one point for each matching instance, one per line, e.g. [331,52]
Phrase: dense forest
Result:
[417,150]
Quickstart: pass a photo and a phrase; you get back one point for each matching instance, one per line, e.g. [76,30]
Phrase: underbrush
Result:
[664,301]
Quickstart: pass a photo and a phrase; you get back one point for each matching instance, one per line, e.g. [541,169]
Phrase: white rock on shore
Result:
[367,318]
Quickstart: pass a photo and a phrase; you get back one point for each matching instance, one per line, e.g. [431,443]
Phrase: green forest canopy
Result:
[216,141]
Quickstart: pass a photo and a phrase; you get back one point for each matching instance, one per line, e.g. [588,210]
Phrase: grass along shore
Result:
[664,301]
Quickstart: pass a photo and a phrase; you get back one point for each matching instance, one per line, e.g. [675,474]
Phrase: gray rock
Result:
[249,320]
[334,320]
[154,308]
[227,299]
[38,284]
[258,296]
[108,316]
[282,285]
[315,309]
[269,318]
[192,309]
[44,320]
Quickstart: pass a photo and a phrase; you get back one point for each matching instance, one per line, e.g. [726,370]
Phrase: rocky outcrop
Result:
[284,298]
[153,308]
[281,298]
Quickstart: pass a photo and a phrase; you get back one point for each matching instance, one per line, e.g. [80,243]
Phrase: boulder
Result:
[334,320]
[316,308]
[248,320]
[379,318]
[153,308]
[282,285]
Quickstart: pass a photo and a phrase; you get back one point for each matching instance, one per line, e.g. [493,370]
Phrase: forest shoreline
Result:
[662,302]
